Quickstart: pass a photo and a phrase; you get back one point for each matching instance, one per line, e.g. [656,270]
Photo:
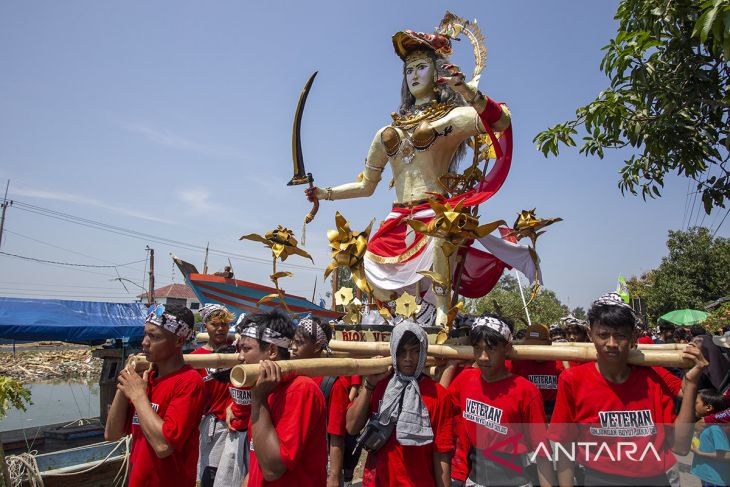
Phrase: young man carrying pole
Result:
[413,433]
[288,414]
[501,417]
[161,409]
[615,419]
[213,429]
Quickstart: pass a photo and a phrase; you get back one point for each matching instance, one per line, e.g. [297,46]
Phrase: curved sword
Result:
[300,174]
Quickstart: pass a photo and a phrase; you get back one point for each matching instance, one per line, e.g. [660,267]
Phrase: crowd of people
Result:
[487,422]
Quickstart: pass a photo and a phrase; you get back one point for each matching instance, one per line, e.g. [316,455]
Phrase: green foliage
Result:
[718,318]
[667,99]
[579,313]
[505,300]
[12,395]
[696,271]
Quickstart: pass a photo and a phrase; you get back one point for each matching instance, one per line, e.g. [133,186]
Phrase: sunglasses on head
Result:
[155,311]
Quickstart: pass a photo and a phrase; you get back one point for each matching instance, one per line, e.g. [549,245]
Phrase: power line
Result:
[53,284]
[66,296]
[721,222]
[65,263]
[147,237]
[72,251]
[77,269]
[57,291]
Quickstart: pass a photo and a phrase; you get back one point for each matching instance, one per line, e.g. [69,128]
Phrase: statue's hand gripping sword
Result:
[300,174]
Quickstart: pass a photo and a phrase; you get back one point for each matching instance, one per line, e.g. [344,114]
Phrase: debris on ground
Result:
[48,365]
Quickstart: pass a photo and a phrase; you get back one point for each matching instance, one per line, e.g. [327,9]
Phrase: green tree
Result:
[505,300]
[718,319]
[696,270]
[667,100]
[12,395]
[579,313]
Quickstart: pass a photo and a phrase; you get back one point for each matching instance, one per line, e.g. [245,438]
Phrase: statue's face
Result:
[420,77]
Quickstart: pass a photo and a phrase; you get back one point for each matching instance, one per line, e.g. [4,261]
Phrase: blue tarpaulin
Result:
[69,321]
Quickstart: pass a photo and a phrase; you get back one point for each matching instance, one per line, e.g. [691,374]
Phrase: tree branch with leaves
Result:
[667,99]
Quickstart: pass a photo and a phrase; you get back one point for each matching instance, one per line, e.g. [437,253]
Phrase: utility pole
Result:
[151,291]
[4,206]
[205,264]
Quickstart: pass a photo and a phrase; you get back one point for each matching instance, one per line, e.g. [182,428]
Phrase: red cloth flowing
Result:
[482,270]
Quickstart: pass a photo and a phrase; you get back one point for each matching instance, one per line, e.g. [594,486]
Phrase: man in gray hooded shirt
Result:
[419,449]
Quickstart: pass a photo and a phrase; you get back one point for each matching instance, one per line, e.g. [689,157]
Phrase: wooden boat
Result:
[242,296]
[94,465]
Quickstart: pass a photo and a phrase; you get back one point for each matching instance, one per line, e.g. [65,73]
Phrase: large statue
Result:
[439,112]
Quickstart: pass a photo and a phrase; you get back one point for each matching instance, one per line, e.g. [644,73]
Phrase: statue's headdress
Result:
[409,44]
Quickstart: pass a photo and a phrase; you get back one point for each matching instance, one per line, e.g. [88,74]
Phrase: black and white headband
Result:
[494,324]
[169,322]
[268,335]
[572,320]
[208,310]
[612,299]
[315,331]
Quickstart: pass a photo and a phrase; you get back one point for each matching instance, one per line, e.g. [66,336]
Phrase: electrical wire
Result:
[721,222]
[35,259]
[147,237]
[71,251]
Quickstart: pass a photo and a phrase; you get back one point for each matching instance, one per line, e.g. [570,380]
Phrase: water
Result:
[55,403]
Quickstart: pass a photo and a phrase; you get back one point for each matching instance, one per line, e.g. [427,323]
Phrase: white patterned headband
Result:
[268,335]
[572,320]
[315,331]
[157,316]
[494,324]
[209,309]
[613,299]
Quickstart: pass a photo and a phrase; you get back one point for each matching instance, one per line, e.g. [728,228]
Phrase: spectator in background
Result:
[697,330]
[681,335]
[575,330]
[711,462]
[666,332]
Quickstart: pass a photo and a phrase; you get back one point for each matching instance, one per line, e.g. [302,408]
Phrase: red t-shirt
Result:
[645,339]
[544,374]
[178,399]
[298,413]
[673,382]
[240,406]
[338,401]
[398,465]
[217,398]
[589,409]
[492,415]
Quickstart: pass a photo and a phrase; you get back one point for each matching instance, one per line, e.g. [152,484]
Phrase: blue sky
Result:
[174,118]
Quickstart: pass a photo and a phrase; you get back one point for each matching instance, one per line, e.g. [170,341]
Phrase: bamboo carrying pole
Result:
[207,361]
[640,346]
[246,375]
[649,358]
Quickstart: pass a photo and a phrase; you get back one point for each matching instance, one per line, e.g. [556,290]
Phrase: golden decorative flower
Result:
[343,296]
[406,305]
[353,313]
[281,242]
[454,224]
[528,225]
[348,250]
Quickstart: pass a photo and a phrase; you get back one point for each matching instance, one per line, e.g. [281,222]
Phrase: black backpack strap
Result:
[326,386]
